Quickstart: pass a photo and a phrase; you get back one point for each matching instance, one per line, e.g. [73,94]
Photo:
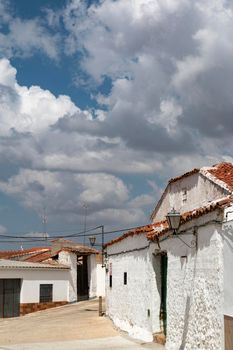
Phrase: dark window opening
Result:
[125,277]
[110,281]
[46,293]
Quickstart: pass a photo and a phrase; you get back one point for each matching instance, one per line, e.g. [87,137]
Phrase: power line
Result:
[74,235]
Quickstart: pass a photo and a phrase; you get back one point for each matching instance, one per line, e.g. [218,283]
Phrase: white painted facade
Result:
[70,259]
[196,286]
[100,276]
[132,307]
[199,192]
[96,278]
[92,276]
[32,278]
[228,261]
[195,289]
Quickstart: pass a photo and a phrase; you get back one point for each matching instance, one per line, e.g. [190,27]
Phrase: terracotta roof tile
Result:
[224,173]
[159,228]
[139,230]
[194,214]
[41,256]
[18,253]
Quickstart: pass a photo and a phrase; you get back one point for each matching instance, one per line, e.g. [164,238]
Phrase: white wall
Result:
[92,276]
[70,259]
[194,287]
[195,290]
[228,262]
[100,276]
[31,280]
[199,192]
[96,277]
[128,305]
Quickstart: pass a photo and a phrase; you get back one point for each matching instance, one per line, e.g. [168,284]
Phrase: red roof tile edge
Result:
[162,226]
[194,214]
[221,174]
[139,230]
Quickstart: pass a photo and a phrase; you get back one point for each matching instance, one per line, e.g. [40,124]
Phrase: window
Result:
[46,293]
[184,195]
[125,278]
[110,281]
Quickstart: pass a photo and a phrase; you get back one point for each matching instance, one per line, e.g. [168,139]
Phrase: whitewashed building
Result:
[179,288]
[39,278]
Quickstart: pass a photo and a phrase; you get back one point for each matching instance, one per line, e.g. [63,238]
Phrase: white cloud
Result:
[63,195]
[23,37]
[169,107]
[28,109]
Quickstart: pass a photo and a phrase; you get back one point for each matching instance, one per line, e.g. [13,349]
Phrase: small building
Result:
[39,278]
[178,288]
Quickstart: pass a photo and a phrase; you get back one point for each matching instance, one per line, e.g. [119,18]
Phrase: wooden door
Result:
[228,330]
[163,309]
[9,297]
[82,278]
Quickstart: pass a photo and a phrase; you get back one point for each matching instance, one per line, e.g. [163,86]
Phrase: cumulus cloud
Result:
[25,37]
[106,196]
[170,65]
[168,107]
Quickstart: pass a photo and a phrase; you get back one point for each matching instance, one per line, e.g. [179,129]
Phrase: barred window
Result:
[46,293]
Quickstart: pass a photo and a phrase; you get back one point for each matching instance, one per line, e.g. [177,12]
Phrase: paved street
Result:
[71,327]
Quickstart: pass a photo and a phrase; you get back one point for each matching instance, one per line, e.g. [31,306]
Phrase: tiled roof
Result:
[41,256]
[15,264]
[80,249]
[139,230]
[157,229]
[194,214]
[18,253]
[222,174]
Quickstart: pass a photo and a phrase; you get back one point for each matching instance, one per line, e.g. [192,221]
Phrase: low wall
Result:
[27,308]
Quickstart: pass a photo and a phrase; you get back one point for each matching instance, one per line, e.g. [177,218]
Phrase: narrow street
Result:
[71,327]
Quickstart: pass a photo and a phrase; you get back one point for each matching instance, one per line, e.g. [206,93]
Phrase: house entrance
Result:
[82,278]
[163,305]
[9,297]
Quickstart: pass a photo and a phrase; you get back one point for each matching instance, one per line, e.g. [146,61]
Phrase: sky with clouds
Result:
[101,102]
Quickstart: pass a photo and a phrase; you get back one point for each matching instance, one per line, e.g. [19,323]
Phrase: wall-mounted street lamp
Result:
[174,219]
[92,240]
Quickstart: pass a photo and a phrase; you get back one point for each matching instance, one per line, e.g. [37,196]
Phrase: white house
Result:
[179,288]
[39,278]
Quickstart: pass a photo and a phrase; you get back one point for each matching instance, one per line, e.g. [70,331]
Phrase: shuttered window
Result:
[46,293]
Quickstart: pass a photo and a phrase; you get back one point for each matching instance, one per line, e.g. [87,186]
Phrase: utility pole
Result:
[44,221]
[102,235]
[85,206]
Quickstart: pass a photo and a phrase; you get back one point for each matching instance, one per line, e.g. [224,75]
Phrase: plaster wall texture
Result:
[70,259]
[200,191]
[31,280]
[228,262]
[132,306]
[100,275]
[195,290]
[92,275]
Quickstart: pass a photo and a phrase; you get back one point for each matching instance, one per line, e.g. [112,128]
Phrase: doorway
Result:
[163,304]
[9,297]
[82,278]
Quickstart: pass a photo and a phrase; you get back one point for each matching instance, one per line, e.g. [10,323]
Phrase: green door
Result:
[9,297]
[163,310]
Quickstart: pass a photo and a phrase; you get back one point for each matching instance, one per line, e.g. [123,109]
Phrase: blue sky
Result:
[103,101]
